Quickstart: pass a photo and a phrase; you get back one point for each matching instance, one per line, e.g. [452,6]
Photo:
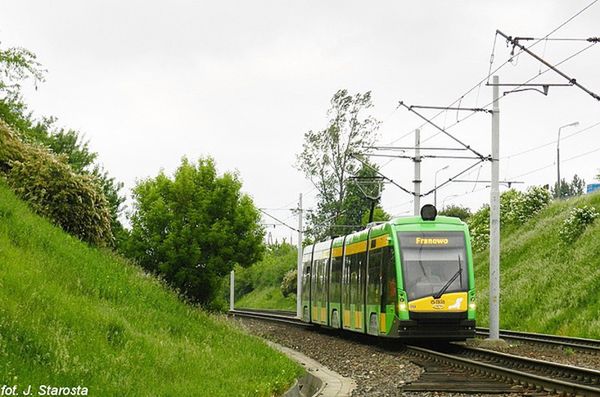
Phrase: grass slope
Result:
[267,298]
[73,315]
[546,285]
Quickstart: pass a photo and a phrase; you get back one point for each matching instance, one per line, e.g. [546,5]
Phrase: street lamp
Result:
[576,123]
[435,185]
[448,197]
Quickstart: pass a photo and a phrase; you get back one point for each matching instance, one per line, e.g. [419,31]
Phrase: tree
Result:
[328,160]
[457,211]
[193,228]
[567,190]
[17,65]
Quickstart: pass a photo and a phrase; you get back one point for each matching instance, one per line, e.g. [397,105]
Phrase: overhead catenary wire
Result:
[490,73]
[550,142]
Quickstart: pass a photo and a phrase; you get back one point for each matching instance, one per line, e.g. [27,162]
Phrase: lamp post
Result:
[449,197]
[435,185]
[576,123]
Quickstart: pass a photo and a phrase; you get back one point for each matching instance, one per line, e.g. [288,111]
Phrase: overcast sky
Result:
[148,82]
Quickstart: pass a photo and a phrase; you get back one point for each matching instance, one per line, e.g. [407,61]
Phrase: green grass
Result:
[267,298]
[74,315]
[546,285]
[259,286]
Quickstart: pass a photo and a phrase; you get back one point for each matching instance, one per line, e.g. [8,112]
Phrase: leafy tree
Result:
[17,65]
[457,211]
[567,190]
[379,215]
[327,159]
[193,228]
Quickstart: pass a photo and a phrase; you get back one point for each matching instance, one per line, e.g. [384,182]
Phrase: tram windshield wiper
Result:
[447,285]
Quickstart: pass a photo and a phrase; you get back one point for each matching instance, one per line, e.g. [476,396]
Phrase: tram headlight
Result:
[472,306]
[401,307]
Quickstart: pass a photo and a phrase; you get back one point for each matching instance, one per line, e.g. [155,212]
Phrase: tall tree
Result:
[327,158]
[573,189]
[18,65]
[193,228]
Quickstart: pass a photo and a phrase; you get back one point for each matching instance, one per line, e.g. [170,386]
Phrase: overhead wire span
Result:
[554,163]
[550,142]
[278,220]
[492,72]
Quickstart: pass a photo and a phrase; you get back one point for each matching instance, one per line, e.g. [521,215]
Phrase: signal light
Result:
[428,212]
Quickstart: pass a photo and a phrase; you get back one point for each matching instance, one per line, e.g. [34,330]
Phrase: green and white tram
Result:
[411,277]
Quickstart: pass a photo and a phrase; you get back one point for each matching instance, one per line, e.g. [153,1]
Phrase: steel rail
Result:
[269,316]
[588,345]
[551,377]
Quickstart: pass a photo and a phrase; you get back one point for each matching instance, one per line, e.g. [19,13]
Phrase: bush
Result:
[50,186]
[536,199]
[479,228]
[457,211]
[289,283]
[515,208]
[578,220]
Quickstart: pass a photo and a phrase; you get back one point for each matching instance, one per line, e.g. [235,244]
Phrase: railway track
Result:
[534,374]
[580,344]
[454,367]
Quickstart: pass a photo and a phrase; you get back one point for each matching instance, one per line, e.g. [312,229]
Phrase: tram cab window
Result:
[430,260]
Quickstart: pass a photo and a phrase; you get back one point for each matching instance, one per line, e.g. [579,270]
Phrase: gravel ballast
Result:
[377,372]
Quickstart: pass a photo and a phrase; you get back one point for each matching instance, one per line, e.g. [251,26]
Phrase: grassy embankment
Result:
[547,286]
[259,286]
[73,315]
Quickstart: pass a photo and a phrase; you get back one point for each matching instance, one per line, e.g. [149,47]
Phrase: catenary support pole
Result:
[232,290]
[495,219]
[417,180]
[299,269]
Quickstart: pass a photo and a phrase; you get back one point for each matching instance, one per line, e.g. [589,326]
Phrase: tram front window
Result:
[433,263]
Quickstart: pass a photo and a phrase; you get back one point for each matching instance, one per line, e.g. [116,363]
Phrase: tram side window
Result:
[389,277]
[354,279]
[362,274]
[318,277]
[336,279]
[374,280]
[306,281]
[346,281]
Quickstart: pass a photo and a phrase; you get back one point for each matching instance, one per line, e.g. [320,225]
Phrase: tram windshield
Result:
[433,263]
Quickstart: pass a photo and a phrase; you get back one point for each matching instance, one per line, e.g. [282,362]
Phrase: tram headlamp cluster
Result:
[472,305]
[401,306]
[428,212]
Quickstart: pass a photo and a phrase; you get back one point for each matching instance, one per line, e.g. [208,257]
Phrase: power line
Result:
[490,73]
[550,142]
[278,220]
[562,161]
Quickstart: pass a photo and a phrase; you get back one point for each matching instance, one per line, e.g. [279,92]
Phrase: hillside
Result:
[259,286]
[72,315]
[547,286]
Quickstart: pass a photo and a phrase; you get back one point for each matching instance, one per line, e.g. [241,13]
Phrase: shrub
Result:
[50,186]
[536,199]
[289,283]
[577,221]
[479,228]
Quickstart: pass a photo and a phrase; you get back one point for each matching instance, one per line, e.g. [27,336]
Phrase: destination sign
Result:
[431,239]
